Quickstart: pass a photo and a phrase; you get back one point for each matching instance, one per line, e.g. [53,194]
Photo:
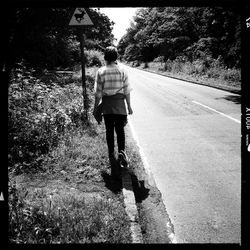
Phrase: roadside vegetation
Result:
[57,193]
[60,184]
[214,74]
[200,44]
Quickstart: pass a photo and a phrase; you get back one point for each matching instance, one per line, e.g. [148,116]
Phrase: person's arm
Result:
[98,92]
[97,101]
[127,98]
[127,90]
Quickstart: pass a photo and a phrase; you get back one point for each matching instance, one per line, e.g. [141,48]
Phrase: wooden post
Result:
[84,88]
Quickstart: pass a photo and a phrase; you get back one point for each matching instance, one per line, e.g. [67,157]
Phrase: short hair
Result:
[110,54]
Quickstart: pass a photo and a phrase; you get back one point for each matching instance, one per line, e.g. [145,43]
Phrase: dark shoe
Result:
[122,158]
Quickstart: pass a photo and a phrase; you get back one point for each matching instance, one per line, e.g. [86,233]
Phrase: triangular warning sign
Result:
[80,17]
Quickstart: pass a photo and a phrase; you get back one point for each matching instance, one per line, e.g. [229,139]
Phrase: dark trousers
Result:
[117,123]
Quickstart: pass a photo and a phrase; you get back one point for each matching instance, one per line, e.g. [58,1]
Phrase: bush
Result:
[167,65]
[94,58]
[176,66]
[188,68]
[232,75]
[213,72]
[38,116]
[199,66]
[159,59]
[217,63]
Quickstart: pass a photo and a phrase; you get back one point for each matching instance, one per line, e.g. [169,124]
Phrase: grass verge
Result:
[72,198]
[218,78]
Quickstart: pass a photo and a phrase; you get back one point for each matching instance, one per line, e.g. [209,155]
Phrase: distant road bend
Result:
[190,135]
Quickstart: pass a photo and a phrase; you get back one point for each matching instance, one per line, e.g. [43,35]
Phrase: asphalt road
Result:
[191,138]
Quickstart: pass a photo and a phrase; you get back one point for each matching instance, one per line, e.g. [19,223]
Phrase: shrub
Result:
[232,75]
[39,115]
[168,65]
[160,66]
[188,68]
[94,58]
[217,63]
[159,59]
[199,66]
[213,72]
[176,66]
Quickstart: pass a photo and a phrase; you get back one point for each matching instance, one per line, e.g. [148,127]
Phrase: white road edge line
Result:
[229,117]
[151,180]
[143,157]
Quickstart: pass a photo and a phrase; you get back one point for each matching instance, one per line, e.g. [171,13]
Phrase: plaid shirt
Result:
[111,80]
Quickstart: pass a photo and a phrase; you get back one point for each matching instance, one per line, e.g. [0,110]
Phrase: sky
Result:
[122,18]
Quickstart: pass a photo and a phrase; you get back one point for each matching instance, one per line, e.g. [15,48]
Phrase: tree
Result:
[49,42]
[196,32]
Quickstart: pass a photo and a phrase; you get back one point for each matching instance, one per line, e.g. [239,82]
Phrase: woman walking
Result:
[113,88]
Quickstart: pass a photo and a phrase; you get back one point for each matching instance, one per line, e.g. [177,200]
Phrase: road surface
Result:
[191,137]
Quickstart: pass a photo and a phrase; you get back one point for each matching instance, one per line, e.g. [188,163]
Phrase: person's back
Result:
[115,79]
[112,86]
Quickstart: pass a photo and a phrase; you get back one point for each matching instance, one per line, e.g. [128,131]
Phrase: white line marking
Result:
[217,112]
[143,157]
[173,238]
[151,180]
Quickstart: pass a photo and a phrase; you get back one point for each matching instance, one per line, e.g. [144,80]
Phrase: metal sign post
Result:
[80,18]
[84,88]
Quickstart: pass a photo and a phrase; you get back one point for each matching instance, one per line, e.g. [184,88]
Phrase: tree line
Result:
[42,38]
[45,106]
[192,33]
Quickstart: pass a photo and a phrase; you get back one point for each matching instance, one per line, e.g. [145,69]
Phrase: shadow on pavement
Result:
[233,98]
[113,181]
[140,191]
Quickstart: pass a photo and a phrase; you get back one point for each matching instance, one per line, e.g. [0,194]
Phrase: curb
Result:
[130,207]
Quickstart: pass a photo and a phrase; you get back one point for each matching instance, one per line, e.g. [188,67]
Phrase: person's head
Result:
[110,54]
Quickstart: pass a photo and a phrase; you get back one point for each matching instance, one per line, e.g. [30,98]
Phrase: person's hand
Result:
[130,111]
